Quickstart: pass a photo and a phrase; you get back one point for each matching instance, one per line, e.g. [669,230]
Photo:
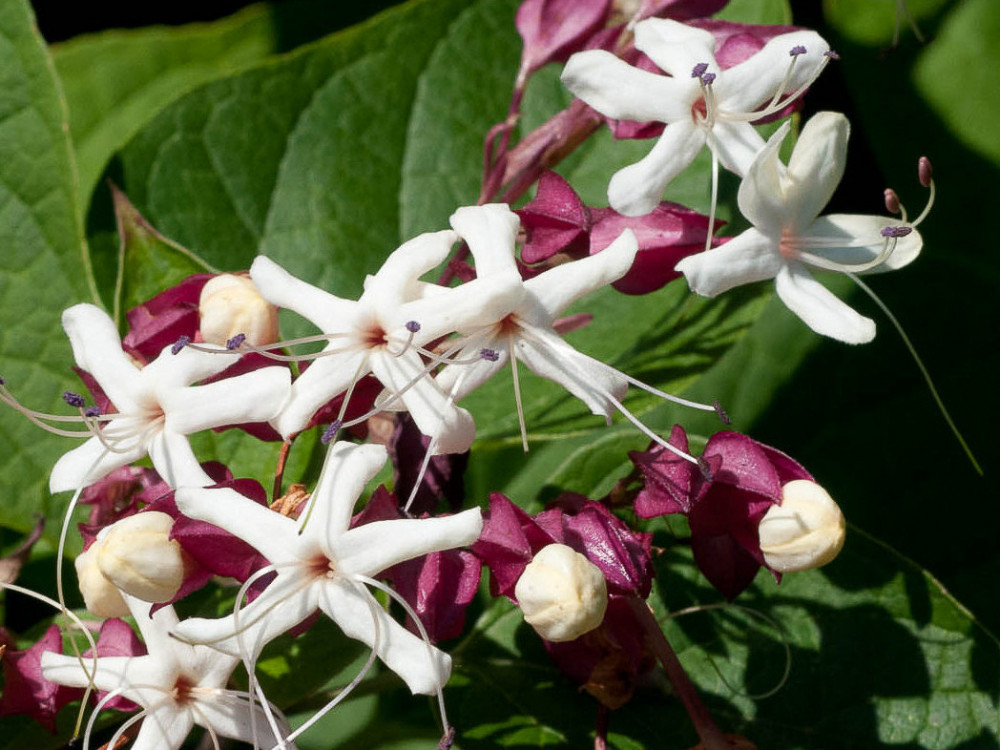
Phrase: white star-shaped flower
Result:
[322,563]
[178,685]
[697,100]
[156,405]
[380,333]
[783,204]
[526,334]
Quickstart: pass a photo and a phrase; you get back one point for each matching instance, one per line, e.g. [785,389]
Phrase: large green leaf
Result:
[880,655]
[116,82]
[42,260]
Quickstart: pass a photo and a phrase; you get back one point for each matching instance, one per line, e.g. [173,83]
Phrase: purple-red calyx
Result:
[723,513]
[552,30]
[557,221]
[25,691]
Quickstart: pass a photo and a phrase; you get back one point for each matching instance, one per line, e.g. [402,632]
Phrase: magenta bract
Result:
[552,30]
[25,691]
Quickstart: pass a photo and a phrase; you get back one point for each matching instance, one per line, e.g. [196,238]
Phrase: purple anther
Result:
[797,50]
[896,232]
[92,411]
[723,416]
[708,79]
[832,55]
[705,469]
[448,740]
[331,432]
[74,399]
[490,355]
[925,171]
[236,341]
[892,201]
[180,344]
[699,70]
[412,326]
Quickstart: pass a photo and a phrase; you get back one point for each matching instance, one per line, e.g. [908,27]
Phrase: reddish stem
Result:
[601,730]
[279,471]
[711,736]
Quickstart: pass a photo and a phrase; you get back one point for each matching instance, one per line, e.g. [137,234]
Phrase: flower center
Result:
[322,566]
[183,689]
[699,111]
[374,336]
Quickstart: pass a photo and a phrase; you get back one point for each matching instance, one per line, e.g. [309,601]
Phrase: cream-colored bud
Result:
[805,531]
[137,555]
[562,594]
[102,598]
[231,305]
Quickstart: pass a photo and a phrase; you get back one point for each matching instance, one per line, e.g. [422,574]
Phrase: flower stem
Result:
[711,736]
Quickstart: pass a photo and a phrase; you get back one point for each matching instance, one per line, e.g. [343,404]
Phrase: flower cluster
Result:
[207,354]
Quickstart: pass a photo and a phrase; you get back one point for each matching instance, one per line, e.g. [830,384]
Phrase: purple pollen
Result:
[92,411]
[699,70]
[895,232]
[832,55]
[330,432]
[721,413]
[708,79]
[74,399]
[412,326]
[797,50]
[490,355]
[705,468]
[236,341]
[180,344]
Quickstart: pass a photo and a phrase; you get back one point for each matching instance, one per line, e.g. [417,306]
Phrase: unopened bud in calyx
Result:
[562,594]
[138,556]
[101,597]
[805,531]
[230,305]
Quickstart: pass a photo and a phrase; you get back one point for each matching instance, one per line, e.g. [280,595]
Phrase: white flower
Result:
[230,305]
[323,564]
[526,333]
[697,100]
[156,406]
[178,685]
[380,333]
[137,555]
[805,531]
[783,203]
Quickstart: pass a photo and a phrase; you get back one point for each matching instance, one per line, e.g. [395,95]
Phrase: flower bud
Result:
[102,598]
[137,555]
[805,531]
[231,305]
[562,594]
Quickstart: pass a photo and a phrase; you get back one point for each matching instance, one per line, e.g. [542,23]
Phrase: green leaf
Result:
[116,81]
[880,655]
[42,262]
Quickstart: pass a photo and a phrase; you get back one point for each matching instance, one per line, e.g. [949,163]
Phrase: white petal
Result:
[66,670]
[171,370]
[166,728]
[272,534]
[746,258]
[429,406]
[676,48]
[845,232]
[347,469]
[98,350]
[820,308]
[490,232]
[323,379]
[368,550]
[459,380]
[815,167]
[623,92]
[548,356]
[175,462]
[752,83]
[736,144]
[287,601]
[326,311]
[474,304]
[397,280]
[156,628]
[251,397]
[229,716]
[560,286]
[761,198]
[637,189]
[423,668]
[87,463]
